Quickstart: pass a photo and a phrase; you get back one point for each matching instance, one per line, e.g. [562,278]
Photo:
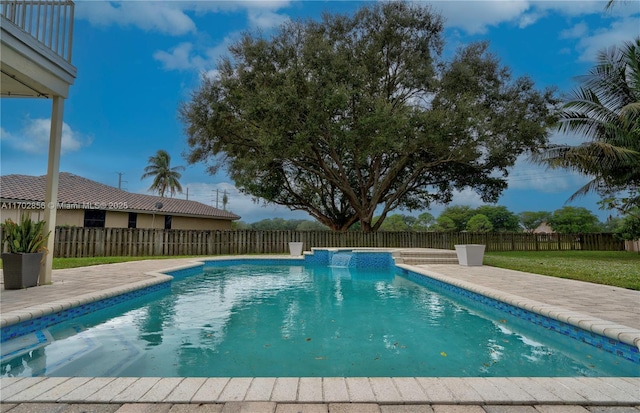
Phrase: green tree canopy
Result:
[531,220]
[606,111]
[629,228]
[395,222]
[479,223]
[423,222]
[458,214]
[574,220]
[341,116]
[308,225]
[165,178]
[445,224]
[502,220]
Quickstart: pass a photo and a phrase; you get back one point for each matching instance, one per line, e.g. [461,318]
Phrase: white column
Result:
[51,195]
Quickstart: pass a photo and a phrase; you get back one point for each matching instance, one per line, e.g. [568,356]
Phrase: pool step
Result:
[426,256]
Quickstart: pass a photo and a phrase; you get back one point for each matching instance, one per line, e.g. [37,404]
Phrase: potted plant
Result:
[26,247]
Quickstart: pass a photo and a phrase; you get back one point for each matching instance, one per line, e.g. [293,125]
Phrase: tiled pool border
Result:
[40,323]
[607,344]
[366,259]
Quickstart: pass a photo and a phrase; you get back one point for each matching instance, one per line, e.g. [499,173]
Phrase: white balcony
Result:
[35,48]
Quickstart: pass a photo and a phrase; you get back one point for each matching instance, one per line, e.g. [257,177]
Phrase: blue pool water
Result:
[278,321]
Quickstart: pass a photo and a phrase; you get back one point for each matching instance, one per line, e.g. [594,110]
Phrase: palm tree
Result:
[164,176]
[606,110]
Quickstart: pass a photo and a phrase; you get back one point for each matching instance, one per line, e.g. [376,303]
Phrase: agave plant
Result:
[26,237]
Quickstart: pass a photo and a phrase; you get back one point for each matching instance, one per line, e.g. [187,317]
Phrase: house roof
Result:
[87,194]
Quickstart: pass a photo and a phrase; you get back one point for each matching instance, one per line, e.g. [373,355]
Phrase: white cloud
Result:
[185,56]
[238,203]
[576,32]
[172,17]
[163,17]
[475,16]
[616,34]
[178,58]
[34,137]
[528,175]
[265,19]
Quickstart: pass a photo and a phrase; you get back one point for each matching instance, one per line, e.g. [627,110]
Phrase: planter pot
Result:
[295,248]
[470,254]
[21,270]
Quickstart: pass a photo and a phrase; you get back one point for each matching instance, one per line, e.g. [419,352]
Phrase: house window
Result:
[133,219]
[167,222]
[94,218]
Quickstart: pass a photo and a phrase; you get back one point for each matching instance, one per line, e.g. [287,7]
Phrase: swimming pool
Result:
[299,320]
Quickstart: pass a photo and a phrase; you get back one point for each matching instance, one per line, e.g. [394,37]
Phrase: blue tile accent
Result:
[609,345]
[318,257]
[370,259]
[185,272]
[358,259]
[40,323]
[256,261]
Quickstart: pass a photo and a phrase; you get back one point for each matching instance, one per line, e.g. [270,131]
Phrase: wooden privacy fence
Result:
[98,242]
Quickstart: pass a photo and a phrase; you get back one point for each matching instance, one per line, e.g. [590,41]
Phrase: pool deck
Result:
[611,311]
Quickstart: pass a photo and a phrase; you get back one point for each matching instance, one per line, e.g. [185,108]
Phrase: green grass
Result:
[617,268]
[62,263]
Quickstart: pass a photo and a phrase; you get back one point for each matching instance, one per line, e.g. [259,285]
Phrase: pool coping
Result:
[609,391]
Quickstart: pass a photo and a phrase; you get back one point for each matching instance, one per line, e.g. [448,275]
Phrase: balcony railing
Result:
[49,21]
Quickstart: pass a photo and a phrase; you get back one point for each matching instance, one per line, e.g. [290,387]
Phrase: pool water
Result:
[279,321]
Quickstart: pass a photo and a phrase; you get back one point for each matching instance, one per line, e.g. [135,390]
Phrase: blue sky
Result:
[138,60]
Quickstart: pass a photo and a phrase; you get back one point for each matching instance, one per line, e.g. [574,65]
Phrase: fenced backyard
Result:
[105,242]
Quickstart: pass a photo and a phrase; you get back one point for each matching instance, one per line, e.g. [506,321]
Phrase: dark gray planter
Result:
[21,270]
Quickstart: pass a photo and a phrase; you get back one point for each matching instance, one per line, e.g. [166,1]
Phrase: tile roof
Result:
[73,189]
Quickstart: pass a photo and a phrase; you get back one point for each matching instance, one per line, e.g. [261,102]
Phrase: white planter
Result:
[295,248]
[470,254]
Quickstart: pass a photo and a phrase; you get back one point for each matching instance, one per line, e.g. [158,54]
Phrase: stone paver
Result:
[359,389]
[457,409]
[260,389]
[616,314]
[196,408]
[144,408]
[302,408]
[285,389]
[420,408]
[249,407]
[354,408]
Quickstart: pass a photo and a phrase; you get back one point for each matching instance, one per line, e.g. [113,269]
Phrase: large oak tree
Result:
[351,113]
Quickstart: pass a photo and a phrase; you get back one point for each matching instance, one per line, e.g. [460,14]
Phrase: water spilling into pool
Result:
[260,321]
[341,259]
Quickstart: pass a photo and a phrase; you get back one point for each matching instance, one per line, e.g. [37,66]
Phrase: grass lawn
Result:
[60,263]
[617,268]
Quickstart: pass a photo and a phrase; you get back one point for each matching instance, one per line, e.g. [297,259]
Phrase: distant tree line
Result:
[486,218]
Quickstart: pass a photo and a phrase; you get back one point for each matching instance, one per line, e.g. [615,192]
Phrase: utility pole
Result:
[187,193]
[120,181]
